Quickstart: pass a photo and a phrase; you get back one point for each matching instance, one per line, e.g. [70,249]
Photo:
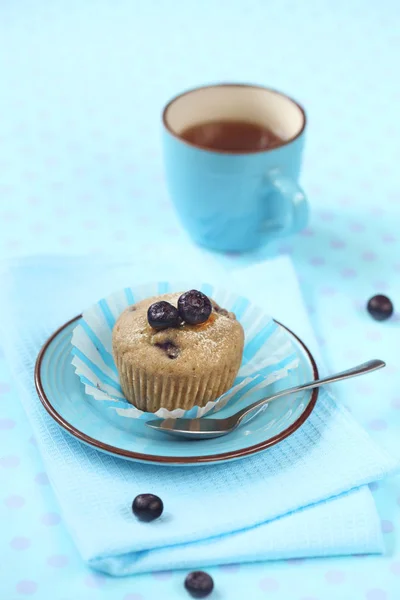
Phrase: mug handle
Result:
[292,206]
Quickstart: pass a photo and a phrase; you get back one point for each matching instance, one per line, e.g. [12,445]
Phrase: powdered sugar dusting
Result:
[215,337]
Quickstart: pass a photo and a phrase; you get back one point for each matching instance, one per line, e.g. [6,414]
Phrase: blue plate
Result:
[63,396]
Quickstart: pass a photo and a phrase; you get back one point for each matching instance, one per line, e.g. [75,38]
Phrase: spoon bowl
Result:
[208,428]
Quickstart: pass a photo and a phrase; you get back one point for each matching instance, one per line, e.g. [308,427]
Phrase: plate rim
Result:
[172,460]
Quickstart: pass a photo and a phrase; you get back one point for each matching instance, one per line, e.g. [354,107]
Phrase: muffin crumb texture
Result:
[177,367]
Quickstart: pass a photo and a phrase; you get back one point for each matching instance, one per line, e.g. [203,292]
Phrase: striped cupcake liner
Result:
[268,354]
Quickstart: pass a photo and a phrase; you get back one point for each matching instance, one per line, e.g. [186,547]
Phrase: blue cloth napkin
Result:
[304,497]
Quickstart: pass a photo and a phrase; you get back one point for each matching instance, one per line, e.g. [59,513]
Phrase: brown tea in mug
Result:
[232,136]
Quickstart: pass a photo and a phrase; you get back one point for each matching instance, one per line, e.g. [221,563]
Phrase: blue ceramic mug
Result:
[236,201]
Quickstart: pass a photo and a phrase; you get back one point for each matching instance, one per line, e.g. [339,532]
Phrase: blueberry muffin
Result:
[176,351]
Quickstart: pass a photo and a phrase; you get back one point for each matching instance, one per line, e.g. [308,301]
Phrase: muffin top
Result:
[179,349]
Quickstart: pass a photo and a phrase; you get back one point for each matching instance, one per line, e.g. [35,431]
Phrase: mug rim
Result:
[233,85]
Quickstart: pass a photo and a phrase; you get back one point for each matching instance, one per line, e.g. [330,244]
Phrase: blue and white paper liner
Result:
[268,354]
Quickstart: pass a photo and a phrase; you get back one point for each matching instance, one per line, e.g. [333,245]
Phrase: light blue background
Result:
[82,87]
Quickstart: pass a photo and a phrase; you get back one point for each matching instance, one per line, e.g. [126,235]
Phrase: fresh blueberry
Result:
[170,348]
[194,307]
[161,315]
[380,307]
[199,584]
[147,507]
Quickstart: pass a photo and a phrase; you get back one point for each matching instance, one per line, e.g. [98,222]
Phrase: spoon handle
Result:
[367,367]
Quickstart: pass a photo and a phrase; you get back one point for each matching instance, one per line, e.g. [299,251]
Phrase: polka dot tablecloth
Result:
[83,84]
